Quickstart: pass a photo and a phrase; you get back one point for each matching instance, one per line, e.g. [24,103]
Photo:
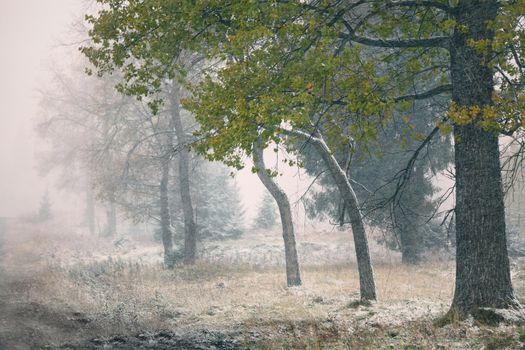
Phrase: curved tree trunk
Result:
[364,264]
[293,275]
[190,228]
[165,221]
[482,263]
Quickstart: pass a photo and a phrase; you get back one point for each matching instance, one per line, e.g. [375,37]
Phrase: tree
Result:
[165,219]
[475,39]
[90,209]
[218,208]
[234,115]
[190,228]
[514,171]
[266,215]
[69,131]
[44,213]
[293,275]
[482,268]
[112,143]
[130,159]
[482,273]
[411,218]
[288,67]
[467,33]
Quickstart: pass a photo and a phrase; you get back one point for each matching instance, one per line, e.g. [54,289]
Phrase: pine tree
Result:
[218,209]
[44,213]
[373,167]
[267,215]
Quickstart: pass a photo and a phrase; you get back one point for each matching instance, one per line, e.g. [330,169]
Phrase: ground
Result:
[61,288]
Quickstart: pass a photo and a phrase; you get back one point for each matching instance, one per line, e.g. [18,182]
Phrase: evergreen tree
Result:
[372,168]
[44,213]
[267,215]
[218,209]
[219,212]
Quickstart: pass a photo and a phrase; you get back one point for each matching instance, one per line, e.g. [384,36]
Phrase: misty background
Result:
[36,38]
[114,232]
[30,35]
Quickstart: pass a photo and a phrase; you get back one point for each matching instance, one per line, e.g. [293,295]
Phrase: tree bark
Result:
[190,228]
[408,221]
[482,264]
[293,275]
[111,215]
[364,264]
[90,209]
[409,241]
[165,221]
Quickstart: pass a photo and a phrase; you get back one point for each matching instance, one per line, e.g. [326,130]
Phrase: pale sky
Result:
[33,34]
[30,33]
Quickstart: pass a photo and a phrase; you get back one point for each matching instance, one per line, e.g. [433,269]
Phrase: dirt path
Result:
[27,322]
[163,340]
[23,322]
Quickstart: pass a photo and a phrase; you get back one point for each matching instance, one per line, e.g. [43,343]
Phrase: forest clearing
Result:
[66,290]
[262,174]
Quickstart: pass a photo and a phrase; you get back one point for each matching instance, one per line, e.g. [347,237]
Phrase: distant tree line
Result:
[136,163]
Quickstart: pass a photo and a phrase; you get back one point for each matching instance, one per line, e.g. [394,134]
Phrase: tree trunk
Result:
[90,209]
[408,220]
[190,228]
[409,240]
[165,221]
[111,215]
[293,275]
[364,264]
[482,264]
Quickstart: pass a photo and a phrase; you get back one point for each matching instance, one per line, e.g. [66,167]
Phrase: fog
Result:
[39,38]
[31,34]
[36,37]
[117,231]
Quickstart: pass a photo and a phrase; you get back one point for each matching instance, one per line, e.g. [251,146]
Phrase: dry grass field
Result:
[67,290]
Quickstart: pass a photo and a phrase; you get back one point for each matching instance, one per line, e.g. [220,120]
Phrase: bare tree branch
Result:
[439,41]
[423,95]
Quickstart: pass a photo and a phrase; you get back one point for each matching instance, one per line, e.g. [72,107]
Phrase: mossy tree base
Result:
[513,314]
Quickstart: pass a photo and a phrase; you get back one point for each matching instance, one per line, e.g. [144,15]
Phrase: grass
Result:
[73,294]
